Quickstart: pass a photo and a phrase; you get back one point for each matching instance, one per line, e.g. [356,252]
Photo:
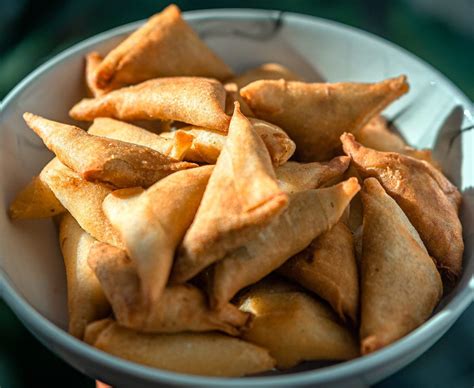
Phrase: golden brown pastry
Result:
[426,196]
[400,285]
[165,46]
[176,148]
[267,71]
[152,222]
[205,354]
[315,114]
[233,95]
[293,176]
[85,298]
[242,194]
[82,199]
[93,60]
[207,144]
[36,200]
[328,268]
[294,326]
[181,307]
[192,100]
[309,214]
[106,160]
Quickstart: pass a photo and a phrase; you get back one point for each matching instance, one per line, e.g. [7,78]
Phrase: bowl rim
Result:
[37,323]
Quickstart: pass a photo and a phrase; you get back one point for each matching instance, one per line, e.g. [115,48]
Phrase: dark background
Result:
[440,32]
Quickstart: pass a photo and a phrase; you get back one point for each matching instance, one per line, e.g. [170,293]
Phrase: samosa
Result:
[328,268]
[36,200]
[205,354]
[242,195]
[293,176]
[207,144]
[192,100]
[315,114]
[426,196]
[86,300]
[182,307]
[400,285]
[105,160]
[294,326]
[152,222]
[267,71]
[82,199]
[175,148]
[93,59]
[164,46]
[309,214]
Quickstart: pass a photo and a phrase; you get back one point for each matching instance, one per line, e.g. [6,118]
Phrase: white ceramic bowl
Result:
[32,276]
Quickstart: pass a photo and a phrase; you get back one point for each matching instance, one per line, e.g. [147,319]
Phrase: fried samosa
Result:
[36,200]
[165,46]
[105,160]
[426,196]
[293,176]
[192,100]
[85,298]
[267,71]
[309,214]
[82,199]
[315,114]
[181,307]
[208,354]
[294,326]
[152,223]
[175,148]
[93,60]
[242,194]
[400,285]
[328,268]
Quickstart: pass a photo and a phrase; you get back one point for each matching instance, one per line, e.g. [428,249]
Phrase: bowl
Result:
[433,114]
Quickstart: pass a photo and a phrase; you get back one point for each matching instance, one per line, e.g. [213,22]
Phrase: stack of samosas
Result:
[265,221]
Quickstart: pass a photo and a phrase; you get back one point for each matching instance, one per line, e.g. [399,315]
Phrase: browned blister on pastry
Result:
[164,46]
[426,196]
[400,285]
[82,199]
[309,214]
[267,71]
[315,114]
[105,160]
[192,100]
[294,326]
[85,298]
[208,354]
[152,222]
[293,176]
[242,194]
[180,308]
[328,267]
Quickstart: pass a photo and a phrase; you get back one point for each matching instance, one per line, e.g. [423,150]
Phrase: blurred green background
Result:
[441,32]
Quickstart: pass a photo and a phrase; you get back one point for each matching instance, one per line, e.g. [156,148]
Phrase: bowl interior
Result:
[431,115]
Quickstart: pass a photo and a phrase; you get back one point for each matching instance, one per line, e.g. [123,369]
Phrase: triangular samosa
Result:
[152,222]
[165,46]
[192,100]
[400,285]
[309,214]
[294,326]
[182,307]
[328,267]
[105,160]
[315,114]
[83,200]
[426,196]
[267,71]
[205,354]
[293,176]
[242,194]
[85,298]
